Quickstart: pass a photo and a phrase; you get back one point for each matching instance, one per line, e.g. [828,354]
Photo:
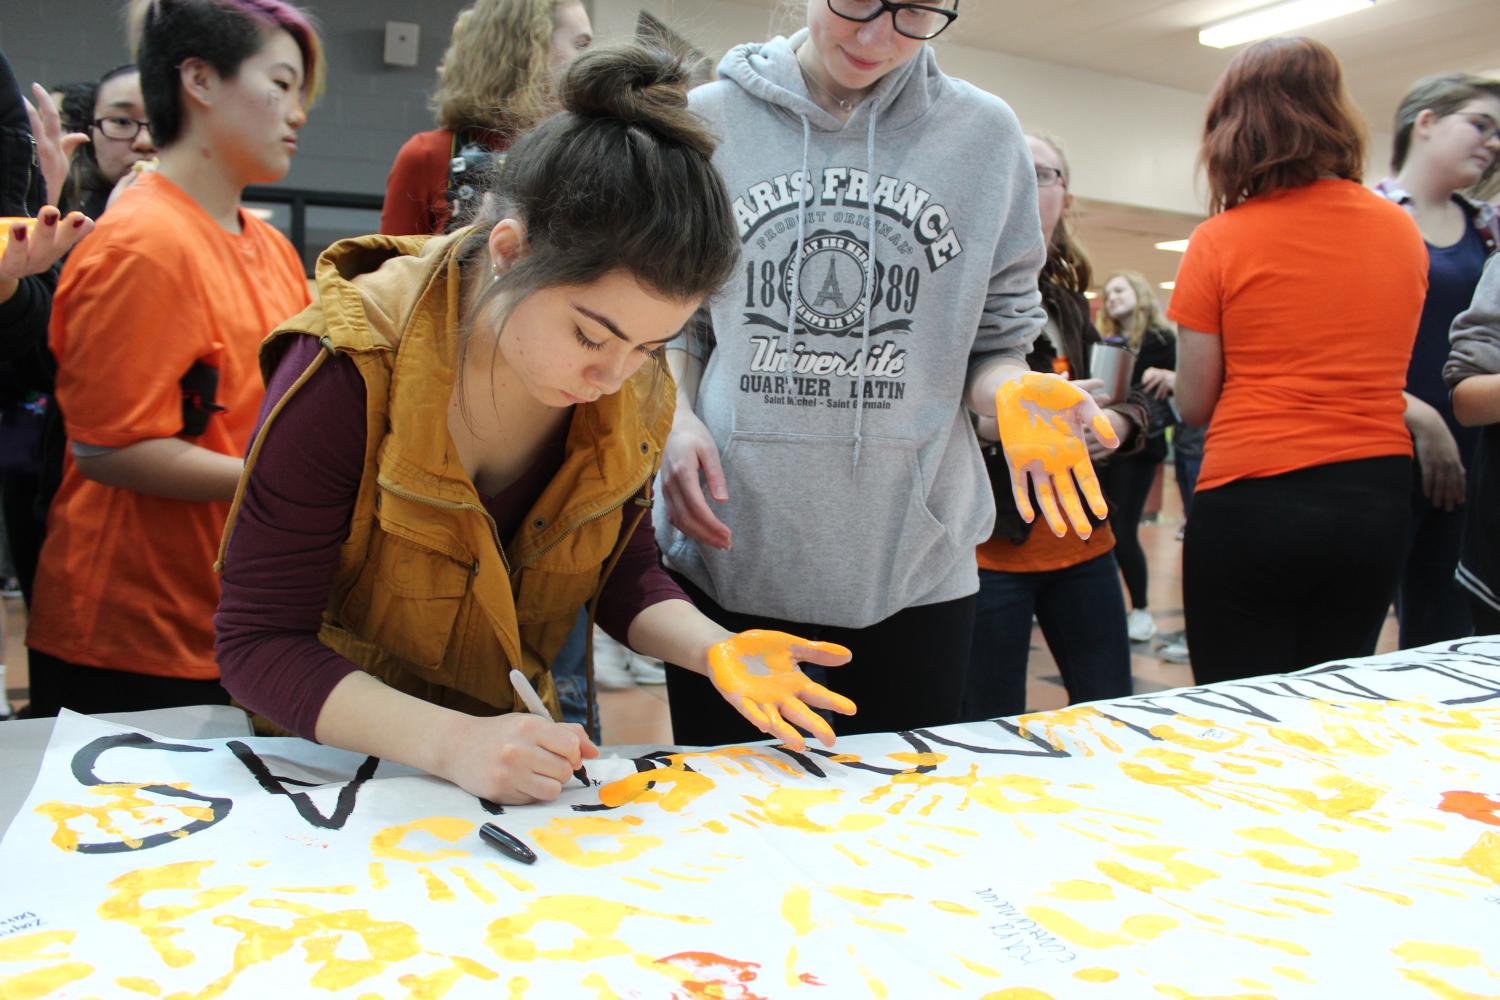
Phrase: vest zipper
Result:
[449,505]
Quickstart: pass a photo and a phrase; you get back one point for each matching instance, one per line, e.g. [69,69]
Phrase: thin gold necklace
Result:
[845,106]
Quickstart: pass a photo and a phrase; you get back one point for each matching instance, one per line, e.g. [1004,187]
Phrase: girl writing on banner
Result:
[458,450]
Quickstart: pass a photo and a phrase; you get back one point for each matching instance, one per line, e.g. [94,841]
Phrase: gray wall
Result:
[367,112]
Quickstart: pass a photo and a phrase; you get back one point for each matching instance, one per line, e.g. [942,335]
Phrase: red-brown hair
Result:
[1280,117]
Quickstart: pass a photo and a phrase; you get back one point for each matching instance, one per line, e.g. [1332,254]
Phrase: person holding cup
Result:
[1026,571]
[1132,319]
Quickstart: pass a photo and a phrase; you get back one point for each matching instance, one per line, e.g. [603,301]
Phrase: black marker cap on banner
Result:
[508,843]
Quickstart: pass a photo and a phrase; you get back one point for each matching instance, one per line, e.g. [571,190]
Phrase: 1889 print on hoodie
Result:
[834,376]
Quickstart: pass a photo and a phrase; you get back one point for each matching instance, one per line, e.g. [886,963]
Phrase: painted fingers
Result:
[1041,419]
[756,672]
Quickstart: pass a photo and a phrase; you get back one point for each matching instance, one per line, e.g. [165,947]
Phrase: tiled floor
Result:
[13,627]
[639,715]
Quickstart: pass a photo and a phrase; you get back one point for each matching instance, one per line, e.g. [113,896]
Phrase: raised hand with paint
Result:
[1041,419]
[756,672]
[1028,574]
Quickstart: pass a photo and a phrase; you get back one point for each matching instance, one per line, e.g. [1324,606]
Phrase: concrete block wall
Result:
[370,109]
[367,112]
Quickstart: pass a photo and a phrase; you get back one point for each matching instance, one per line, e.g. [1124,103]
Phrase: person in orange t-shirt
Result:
[1069,584]
[1297,305]
[156,328]
[497,79]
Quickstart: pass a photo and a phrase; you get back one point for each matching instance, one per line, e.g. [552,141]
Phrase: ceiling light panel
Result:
[1276,20]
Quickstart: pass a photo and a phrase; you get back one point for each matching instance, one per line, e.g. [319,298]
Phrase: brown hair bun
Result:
[643,86]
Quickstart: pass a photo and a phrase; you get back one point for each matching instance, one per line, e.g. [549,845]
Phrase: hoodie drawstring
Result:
[795,287]
[864,347]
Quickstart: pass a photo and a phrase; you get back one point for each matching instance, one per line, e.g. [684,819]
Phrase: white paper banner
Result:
[1330,833]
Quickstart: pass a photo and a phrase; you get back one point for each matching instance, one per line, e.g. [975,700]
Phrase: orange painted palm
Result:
[756,672]
[1042,419]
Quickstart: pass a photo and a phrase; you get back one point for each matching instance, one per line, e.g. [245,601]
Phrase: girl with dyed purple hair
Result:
[156,327]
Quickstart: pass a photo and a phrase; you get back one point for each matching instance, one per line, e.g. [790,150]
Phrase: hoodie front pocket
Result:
[818,539]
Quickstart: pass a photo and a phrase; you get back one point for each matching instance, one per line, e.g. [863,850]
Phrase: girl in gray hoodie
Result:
[888,284]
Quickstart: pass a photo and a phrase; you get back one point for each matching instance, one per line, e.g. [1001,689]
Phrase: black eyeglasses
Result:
[1048,176]
[922,21]
[120,127]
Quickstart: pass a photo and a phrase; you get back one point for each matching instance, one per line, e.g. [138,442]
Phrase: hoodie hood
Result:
[769,71]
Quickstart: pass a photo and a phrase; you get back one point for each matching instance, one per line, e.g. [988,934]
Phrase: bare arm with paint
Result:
[985,380]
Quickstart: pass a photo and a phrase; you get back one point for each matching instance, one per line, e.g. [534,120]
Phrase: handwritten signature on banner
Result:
[1272,837]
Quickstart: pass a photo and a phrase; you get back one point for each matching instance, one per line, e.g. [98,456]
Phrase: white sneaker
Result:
[1139,626]
[646,669]
[1174,652]
[611,663]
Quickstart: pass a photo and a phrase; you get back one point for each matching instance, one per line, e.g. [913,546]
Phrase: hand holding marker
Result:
[497,837]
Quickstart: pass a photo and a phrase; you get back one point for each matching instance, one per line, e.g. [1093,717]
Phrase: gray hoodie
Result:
[1475,337]
[921,245]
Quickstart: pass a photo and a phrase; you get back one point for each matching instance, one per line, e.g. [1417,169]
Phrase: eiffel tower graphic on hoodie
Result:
[830,291]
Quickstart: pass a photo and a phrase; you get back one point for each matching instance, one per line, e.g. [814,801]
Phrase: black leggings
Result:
[57,684]
[1284,572]
[1486,617]
[1127,483]
[907,673]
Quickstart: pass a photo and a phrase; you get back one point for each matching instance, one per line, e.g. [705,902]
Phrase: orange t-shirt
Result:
[1043,551]
[1315,293]
[126,580]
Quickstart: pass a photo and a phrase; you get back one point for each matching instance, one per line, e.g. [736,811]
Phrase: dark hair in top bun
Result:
[621,179]
[639,86]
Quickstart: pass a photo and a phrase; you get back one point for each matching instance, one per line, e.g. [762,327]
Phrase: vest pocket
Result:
[406,600]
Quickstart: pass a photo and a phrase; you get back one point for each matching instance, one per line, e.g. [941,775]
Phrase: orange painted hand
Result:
[756,672]
[1041,420]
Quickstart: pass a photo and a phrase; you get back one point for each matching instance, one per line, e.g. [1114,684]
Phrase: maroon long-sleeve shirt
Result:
[284,551]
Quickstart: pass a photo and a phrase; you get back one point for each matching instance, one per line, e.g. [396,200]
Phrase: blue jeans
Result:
[1082,615]
[568,674]
[1187,458]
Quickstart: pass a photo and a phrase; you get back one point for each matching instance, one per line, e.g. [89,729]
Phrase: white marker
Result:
[528,695]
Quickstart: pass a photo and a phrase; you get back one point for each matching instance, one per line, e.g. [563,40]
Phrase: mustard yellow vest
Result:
[427,597]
